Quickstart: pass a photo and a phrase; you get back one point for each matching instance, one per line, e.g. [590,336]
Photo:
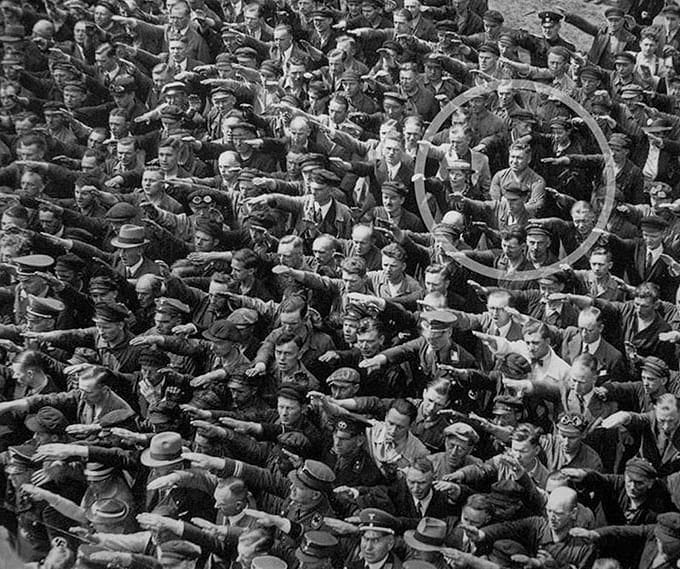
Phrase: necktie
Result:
[662,443]
[586,349]
[581,404]
[421,509]
[648,262]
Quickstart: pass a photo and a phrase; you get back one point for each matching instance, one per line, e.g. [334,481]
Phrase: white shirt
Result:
[551,366]
[503,330]
[424,503]
[592,347]
[131,270]
[656,253]
[392,171]
[651,167]
[324,208]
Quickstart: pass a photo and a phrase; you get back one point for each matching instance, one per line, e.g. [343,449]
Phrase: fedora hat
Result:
[129,236]
[429,535]
[165,449]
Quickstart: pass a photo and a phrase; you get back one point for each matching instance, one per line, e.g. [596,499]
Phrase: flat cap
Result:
[619,140]
[493,16]
[395,187]
[222,330]
[295,442]
[641,467]
[655,366]
[462,431]
[394,96]
[344,375]
[153,357]
[121,211]
[513,366]
[293,392]
[70,261]
[243,317]
[102,284]
[47,420]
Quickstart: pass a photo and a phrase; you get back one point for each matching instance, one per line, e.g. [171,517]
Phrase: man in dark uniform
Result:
[434,347]
[378,529]
[538,47]
[348,458]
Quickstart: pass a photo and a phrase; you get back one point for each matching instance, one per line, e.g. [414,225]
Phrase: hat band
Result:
[130,240]
[165,456]
[427,539]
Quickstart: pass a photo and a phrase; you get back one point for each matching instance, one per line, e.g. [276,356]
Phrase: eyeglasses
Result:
[573,420]
[198,200]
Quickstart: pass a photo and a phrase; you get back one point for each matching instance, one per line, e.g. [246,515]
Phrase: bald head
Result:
[561,501]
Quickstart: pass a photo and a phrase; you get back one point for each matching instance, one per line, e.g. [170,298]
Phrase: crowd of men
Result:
[256,314]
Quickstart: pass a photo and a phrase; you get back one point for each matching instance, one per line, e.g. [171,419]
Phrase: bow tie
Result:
[537,361]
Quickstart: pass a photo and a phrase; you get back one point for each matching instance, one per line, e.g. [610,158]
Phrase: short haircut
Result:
[294,303]
[533,327]
[247,257]
[405,407]
[394,251]
[480,503]
[354,266]
[422,464]
[647,290]
[367,325]
[589,361]
[288,337]
[526,432]
[514,232]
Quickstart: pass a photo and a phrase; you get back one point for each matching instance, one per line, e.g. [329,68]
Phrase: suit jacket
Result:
[645,424]
[595,409]
[600,53]
[638,272]
[611,361]
[148,267]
